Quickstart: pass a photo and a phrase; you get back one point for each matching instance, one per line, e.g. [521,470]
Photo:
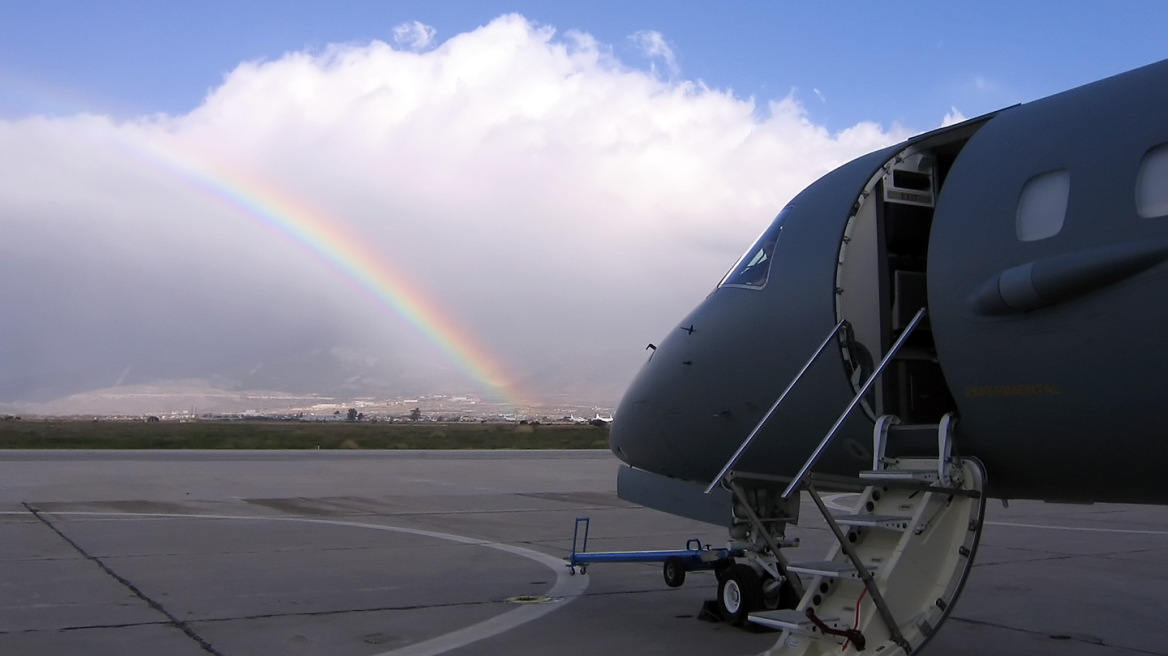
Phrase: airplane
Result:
[977,312]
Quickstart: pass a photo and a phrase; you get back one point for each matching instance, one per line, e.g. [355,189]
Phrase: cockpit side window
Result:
[754,267]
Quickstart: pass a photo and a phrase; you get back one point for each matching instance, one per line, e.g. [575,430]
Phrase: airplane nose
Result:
[634,431]
[625,423]
[651,432]
[699,394]
[715,375]
[657,425]
[702,393]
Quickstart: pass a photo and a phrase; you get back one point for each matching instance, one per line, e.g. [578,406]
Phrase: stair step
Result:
[795,621]
[921,475]
[832,569]
[908,429]
[867,520]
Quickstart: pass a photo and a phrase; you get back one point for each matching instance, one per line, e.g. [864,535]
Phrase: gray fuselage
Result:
[1034,237]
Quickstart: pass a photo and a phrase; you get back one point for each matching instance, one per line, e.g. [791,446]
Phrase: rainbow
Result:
[338,251]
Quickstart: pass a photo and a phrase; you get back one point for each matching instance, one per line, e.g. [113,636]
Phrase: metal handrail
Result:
[798,480]
[765,418]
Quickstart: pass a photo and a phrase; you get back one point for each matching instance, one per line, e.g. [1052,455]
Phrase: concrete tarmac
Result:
[244,553]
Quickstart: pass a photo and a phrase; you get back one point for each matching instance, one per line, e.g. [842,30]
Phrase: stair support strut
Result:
[863,572]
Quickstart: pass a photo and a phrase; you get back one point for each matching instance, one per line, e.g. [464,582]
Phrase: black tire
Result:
[739,594]
[674,571]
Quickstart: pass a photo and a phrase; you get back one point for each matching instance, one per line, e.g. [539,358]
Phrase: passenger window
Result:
[754,267]
[1042,207]
[1152,183]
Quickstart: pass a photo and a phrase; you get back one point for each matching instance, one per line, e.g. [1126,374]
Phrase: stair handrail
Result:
[782,397]
[815,455]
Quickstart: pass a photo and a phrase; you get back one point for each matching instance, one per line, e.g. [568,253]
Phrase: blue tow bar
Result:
[677,562]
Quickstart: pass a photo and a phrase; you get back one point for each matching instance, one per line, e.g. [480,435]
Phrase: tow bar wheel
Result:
[739,593]
[674,571]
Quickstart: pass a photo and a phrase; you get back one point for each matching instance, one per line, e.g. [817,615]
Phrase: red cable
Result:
[856,624]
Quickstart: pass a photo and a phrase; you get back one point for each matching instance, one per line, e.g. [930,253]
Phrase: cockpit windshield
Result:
[754,267]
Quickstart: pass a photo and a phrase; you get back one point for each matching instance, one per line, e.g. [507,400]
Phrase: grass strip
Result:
[59,434]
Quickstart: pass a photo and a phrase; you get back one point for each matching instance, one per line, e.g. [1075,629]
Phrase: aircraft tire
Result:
[739,593]
[674,571]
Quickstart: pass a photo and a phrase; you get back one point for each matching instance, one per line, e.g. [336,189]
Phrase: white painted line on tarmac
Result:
[1089,529]
[834,502]
[566,588]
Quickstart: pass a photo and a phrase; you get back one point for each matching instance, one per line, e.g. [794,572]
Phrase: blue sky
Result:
[563,198]
[846,61]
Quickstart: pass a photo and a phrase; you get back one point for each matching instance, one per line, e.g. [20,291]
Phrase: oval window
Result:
[1042,207]
[1152,183]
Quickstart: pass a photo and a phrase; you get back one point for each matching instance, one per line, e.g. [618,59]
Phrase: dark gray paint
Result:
[674,496]
[1060,397]
[701,393]
[1053,349]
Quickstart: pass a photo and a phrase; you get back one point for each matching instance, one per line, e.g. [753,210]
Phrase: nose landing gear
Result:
[740,593]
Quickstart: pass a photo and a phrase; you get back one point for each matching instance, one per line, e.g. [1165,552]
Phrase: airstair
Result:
[901,553]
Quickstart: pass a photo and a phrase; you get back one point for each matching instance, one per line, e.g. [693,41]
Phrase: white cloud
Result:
[652,44]
[552,200]
[415,35]
[952,117]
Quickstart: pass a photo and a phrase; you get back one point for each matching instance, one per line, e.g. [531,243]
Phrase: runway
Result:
[423,552]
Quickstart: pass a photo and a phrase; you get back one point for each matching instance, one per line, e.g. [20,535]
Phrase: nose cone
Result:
[702,393]
[712,379]
[698,395]
[654,430]
[642,433]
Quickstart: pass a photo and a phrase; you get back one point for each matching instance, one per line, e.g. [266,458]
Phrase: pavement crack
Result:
[175,621]
[1079,638]
[1023,561]
[346,611]
[84,627]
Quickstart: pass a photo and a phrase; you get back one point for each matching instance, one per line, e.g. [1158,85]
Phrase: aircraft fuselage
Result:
[1034,237]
